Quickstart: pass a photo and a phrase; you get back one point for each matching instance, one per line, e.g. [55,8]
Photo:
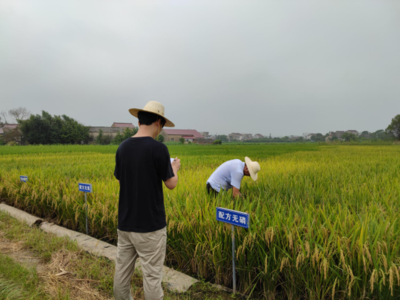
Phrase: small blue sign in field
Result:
[23,178]
[233,217]
[85,187]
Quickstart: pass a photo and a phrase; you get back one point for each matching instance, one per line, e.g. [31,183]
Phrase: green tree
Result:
[160,138]
[182,140]
[380,135]
[106,139]
[318,137]
[119,138]
[393,130]
[46,129]
[129,132]
[222,138]
[99,138]
[364,133]
[347,136]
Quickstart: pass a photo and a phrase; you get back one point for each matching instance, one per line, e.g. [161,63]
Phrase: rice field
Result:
[324,219]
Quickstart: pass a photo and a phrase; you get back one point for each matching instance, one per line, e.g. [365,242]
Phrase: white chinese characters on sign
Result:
[231,217]
[84,187]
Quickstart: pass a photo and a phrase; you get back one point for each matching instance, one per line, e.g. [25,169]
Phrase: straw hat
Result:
[153,107]
[253,166]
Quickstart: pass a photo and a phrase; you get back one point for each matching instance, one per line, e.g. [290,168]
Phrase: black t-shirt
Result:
[141,165]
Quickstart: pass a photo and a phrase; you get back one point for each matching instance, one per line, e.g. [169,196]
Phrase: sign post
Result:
[23,178]
[235,218]
[86,188]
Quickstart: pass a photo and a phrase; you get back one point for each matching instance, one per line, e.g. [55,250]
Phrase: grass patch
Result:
[94,274]
[18,282]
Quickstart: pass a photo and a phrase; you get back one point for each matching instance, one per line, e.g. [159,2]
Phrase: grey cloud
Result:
[218,66]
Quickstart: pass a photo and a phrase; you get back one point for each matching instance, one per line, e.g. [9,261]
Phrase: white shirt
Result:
[228,174]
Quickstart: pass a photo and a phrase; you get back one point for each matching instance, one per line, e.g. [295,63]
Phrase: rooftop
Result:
[10,126]
[123,125]
[183,132]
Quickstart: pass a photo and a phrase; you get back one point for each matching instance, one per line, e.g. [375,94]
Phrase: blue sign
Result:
[233,217]
[23,178]
[85,187]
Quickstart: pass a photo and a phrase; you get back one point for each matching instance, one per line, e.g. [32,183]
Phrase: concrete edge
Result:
[174,280]
[20,215]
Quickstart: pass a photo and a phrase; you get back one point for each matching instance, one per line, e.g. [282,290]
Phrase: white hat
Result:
[253,166]
[153,107]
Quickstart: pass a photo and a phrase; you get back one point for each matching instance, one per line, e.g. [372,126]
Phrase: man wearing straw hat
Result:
[230,174]
[142,164]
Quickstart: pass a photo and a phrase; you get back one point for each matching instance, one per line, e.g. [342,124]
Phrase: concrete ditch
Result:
[174,280]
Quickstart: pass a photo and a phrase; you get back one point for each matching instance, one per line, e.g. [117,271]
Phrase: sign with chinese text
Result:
[85,187]
[23,178]
[233,217]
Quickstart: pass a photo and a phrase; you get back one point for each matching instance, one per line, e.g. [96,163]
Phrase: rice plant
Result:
[324,219]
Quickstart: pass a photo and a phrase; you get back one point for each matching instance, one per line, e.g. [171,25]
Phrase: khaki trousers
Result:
[151,248]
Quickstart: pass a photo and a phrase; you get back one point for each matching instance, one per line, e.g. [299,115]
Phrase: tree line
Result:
[46,129]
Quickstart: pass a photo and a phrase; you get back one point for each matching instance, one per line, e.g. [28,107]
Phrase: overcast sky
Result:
[264,67]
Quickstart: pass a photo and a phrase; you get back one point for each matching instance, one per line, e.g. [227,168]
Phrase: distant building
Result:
[123,125]
[205,134]
[355,132]
[247,136]
[174,135]
[110,131]
[294,137]
[9,127]
[258,136]
[308,136]
[203,141]
[339,133]
[235,136]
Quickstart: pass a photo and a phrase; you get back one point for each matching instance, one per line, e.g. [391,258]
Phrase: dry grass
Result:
[66,272]
[62,277]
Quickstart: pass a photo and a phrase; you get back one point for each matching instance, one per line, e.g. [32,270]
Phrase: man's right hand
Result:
[176,164]
[236,192]
[173,181]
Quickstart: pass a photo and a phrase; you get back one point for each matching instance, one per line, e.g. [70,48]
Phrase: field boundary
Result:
[175,281]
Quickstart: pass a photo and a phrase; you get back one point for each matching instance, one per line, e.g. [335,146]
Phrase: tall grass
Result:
[324,219]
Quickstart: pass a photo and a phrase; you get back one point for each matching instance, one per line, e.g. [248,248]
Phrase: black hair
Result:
[147,118]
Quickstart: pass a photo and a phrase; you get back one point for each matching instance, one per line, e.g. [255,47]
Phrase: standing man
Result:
[230,174]
[142,164]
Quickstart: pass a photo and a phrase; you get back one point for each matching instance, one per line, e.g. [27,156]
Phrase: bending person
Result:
[230,174]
